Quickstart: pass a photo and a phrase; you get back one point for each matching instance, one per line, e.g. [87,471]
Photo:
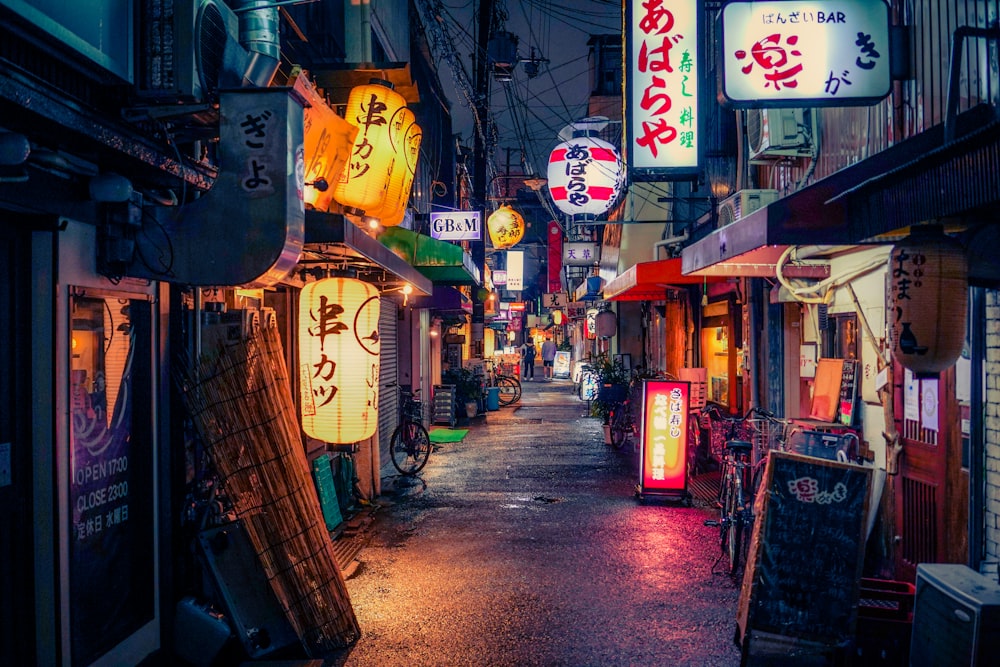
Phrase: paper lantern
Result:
[363,182]
[606,324]
[406,138]
[558,318]
[339,359]
[590,324]
[928,293]
[506,227]
[585,174]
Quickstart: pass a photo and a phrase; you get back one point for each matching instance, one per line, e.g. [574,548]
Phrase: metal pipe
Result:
[259,35]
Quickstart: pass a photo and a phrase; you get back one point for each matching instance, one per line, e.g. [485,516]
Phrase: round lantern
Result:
[606,324]
[928,292]
[339,359]
[363,182]
[558,318]
[590,324]
[506,227]
[406,140]
[585,174]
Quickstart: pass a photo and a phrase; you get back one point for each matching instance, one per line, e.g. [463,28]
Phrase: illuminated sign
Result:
[515,270]
[805,53]
[516,306]
[555,300]
[579,254]
[663,450]
[457,226]
[662,70]
[499,277]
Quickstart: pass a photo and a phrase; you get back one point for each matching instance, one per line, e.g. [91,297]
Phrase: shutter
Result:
[388,402]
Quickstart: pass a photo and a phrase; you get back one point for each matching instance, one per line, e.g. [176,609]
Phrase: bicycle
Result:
[509,386]
[410,445]
[620,413]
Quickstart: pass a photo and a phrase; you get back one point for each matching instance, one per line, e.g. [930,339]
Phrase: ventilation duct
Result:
[248,229]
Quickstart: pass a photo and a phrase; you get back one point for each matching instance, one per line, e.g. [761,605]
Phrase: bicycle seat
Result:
[739,446]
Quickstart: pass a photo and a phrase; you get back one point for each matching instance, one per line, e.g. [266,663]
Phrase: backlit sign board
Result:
[663,450]
[499,277]
[555,300]
[577,253]
[457,226]
[515,270]
[797,53]
[662,72]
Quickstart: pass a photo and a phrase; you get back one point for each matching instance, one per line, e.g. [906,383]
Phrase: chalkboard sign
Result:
[804,567]
[848,393]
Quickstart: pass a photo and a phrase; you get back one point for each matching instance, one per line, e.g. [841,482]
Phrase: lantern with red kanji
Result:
[928,297]
[585,174]
[506,227]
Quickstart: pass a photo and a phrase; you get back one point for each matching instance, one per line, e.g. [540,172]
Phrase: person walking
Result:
[548,357]
[528,360]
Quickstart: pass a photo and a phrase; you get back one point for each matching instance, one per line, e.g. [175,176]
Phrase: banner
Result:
[555,257]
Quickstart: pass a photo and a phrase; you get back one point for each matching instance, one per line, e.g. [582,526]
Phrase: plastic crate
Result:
[885,623]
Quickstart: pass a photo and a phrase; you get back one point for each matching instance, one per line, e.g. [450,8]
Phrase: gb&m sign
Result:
[457,226]
[662,71]
[797,53]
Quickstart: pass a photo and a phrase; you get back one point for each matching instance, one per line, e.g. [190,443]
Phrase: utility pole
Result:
[479,157]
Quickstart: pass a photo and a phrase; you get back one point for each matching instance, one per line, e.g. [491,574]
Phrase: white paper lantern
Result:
[339,359]
[585,174]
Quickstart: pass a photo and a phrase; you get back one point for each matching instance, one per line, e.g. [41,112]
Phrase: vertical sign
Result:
[663,68]
[555,257]
[664,437]
[515,270]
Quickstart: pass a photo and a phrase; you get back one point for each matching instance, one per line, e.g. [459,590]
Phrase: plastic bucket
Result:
[493,398]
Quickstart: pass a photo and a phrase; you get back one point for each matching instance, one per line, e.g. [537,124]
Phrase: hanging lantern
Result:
[339,352]
[363,182]
[606,324]
[406,138]
[506,227]
[590,324]
[585,174]
[558,318]
[928,292]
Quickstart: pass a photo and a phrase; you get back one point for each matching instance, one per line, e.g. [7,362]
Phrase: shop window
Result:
[840,337]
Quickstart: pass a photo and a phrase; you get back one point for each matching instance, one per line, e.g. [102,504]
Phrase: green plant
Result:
[609,373]
[467,384]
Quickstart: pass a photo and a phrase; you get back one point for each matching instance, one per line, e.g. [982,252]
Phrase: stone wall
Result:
[992,427]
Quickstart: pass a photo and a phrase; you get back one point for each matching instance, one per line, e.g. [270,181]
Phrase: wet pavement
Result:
[524,544]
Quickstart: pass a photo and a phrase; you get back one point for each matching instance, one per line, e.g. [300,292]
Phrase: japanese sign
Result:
[457,226]
[662,113]
[556,300]
[805,53]
[579,254]
[555,256]
[515,270]
[499,277]
[664,436]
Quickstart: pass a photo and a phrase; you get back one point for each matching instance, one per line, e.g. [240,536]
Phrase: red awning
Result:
[648,281]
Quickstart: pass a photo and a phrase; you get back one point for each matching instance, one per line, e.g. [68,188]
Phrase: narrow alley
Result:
[524,544]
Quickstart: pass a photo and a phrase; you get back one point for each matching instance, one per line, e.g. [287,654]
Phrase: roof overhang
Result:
[333,241]
[442,262]
[338,80]
[649,281]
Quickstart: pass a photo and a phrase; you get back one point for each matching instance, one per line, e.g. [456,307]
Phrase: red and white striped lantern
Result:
[585,174]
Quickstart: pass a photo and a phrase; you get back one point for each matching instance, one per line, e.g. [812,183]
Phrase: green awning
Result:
[441,262]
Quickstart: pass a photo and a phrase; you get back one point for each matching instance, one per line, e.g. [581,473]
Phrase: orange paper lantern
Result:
[407,139]
[928,296]
[506,227]
[339,359]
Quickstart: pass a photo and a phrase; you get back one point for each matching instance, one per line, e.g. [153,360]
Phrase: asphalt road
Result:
[524,544]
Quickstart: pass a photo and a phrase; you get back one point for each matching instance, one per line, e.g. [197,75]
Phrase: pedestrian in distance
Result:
[548,357]
[528,360]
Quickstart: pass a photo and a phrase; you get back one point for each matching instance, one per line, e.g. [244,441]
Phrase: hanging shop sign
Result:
[797,53]
[506,227]
[516,306]
[663,69]
[554,266]
[515,270]
[590,324]
[585,174]
[576,310]
[928,287]
[363,182]
[458,226]
[663,439]
[578,253]
[339,351]
[499,277]
[555,300]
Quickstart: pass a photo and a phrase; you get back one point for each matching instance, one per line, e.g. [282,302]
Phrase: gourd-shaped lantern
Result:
[363,182]
[339,359]
[606,324]
[585,174]
[406,138]
[928,294]
[506,227]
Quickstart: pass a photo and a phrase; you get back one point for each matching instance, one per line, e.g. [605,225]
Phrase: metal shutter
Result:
[388,403]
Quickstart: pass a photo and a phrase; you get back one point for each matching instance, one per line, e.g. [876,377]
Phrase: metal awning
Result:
[442,262]
[335,242]
[648,281]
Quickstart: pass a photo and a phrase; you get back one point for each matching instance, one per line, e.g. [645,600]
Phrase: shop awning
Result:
[444,300]
[442,262]
[332,241]
[648,281]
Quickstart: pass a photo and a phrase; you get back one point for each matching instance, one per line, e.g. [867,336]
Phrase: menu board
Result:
[807,552]
[846,413]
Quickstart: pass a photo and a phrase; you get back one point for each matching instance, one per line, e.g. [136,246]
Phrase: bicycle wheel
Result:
[510,390]
[410,447]
[620,426]
[734,529]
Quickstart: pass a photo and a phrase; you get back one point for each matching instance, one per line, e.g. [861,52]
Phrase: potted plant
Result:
[612,382]
[468,388]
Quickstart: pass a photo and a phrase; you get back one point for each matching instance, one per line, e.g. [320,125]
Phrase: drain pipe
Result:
[259,35]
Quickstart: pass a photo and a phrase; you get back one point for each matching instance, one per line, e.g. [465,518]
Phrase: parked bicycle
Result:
[509,386]
[410,445]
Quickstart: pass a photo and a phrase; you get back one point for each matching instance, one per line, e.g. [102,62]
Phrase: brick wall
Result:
[992,513]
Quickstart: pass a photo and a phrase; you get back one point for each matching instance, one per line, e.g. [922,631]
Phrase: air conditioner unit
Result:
[777,133]
[734,207]
[956,617]
[188,49]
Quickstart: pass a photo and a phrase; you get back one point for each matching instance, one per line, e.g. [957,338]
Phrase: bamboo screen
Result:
[242,406]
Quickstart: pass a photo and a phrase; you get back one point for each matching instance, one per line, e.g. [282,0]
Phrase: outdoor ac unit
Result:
[188,49]
[776,133]
[734,207]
